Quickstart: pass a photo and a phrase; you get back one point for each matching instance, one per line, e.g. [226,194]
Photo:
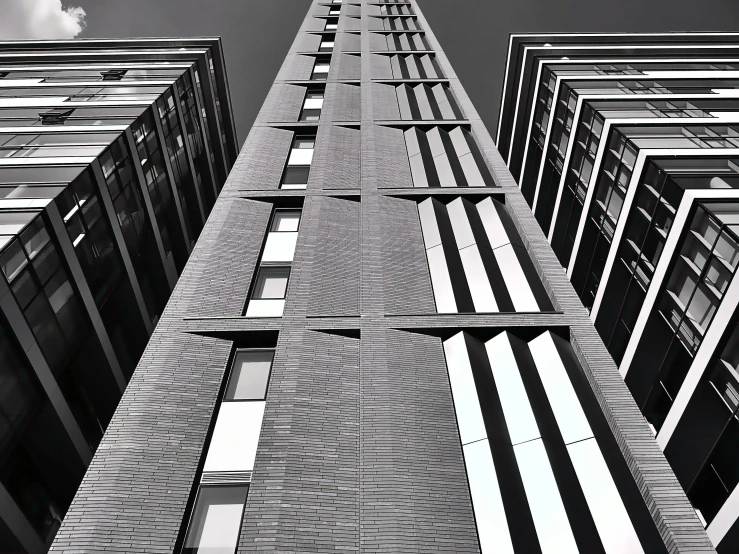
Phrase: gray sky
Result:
[473,33]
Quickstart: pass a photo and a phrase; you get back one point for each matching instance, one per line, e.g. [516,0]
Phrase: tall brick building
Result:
[373,347]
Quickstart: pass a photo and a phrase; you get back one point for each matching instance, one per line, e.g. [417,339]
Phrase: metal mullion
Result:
[159,133]
[664,371]
[120,242]
[214,127]
[88,301]
[204,132]
[188,152]
[167,262]
[28,342]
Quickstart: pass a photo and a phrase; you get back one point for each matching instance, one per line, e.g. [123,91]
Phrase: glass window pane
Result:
[272,282]
[250,375]
[286,220]
[216,521]
[296,175]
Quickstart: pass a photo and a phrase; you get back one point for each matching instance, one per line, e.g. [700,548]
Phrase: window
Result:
[216,520]
[312,106]
[56,116]
[113,74]
[332,23]
[320,70]
[299,162]
[334,11]
[286,221]
[272,283]
[327,43]
[250,375]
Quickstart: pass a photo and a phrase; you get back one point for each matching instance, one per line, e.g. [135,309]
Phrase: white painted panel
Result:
[35,101]
[394,63]
[515,280]
[423,102]
[313,103]
[460,143]
[235,437]
[411,142]
[265,308]
[300,156]
[8,203]
[614,525]
[547,510]
[519,416]
[562,398]
[493,225]
[286,186]
[464,392]
[405,112]
[460,224]
[477,279]
[441,281]
[413,73]
[434,137]
[492,525]
[280,247]
[428,67]
[444,171]
[221,527]
[418,171]
[471,171]
[429,225]
[7,83]
[446,110]
[60,160]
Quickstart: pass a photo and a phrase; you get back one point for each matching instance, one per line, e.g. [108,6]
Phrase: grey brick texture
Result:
[393,169]
[351,42]
[283,103]
[386,102]
[349,66]
[378,43]
[336,159]
[343,102]
[359,449]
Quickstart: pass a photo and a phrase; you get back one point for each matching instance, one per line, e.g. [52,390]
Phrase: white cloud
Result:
[39,19]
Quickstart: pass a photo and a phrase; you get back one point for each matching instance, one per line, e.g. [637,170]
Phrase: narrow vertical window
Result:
[332,23]
[250,375]
[312,105]
[299,162]
[327,43]
[216,520]
[320,69]
[270,287]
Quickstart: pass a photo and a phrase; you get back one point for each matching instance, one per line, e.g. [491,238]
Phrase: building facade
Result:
[372,346]
[112,154]
[625,147]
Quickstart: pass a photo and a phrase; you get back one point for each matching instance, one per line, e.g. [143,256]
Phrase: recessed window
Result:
[271,283]
[285,221]
[327,43]
[250,375]
[332,23]
[320,70]
[298,163]
[334,11]
[216,521]
[312,106]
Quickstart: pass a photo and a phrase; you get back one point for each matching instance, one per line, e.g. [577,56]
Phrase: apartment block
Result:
[112,155]
[625,148]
